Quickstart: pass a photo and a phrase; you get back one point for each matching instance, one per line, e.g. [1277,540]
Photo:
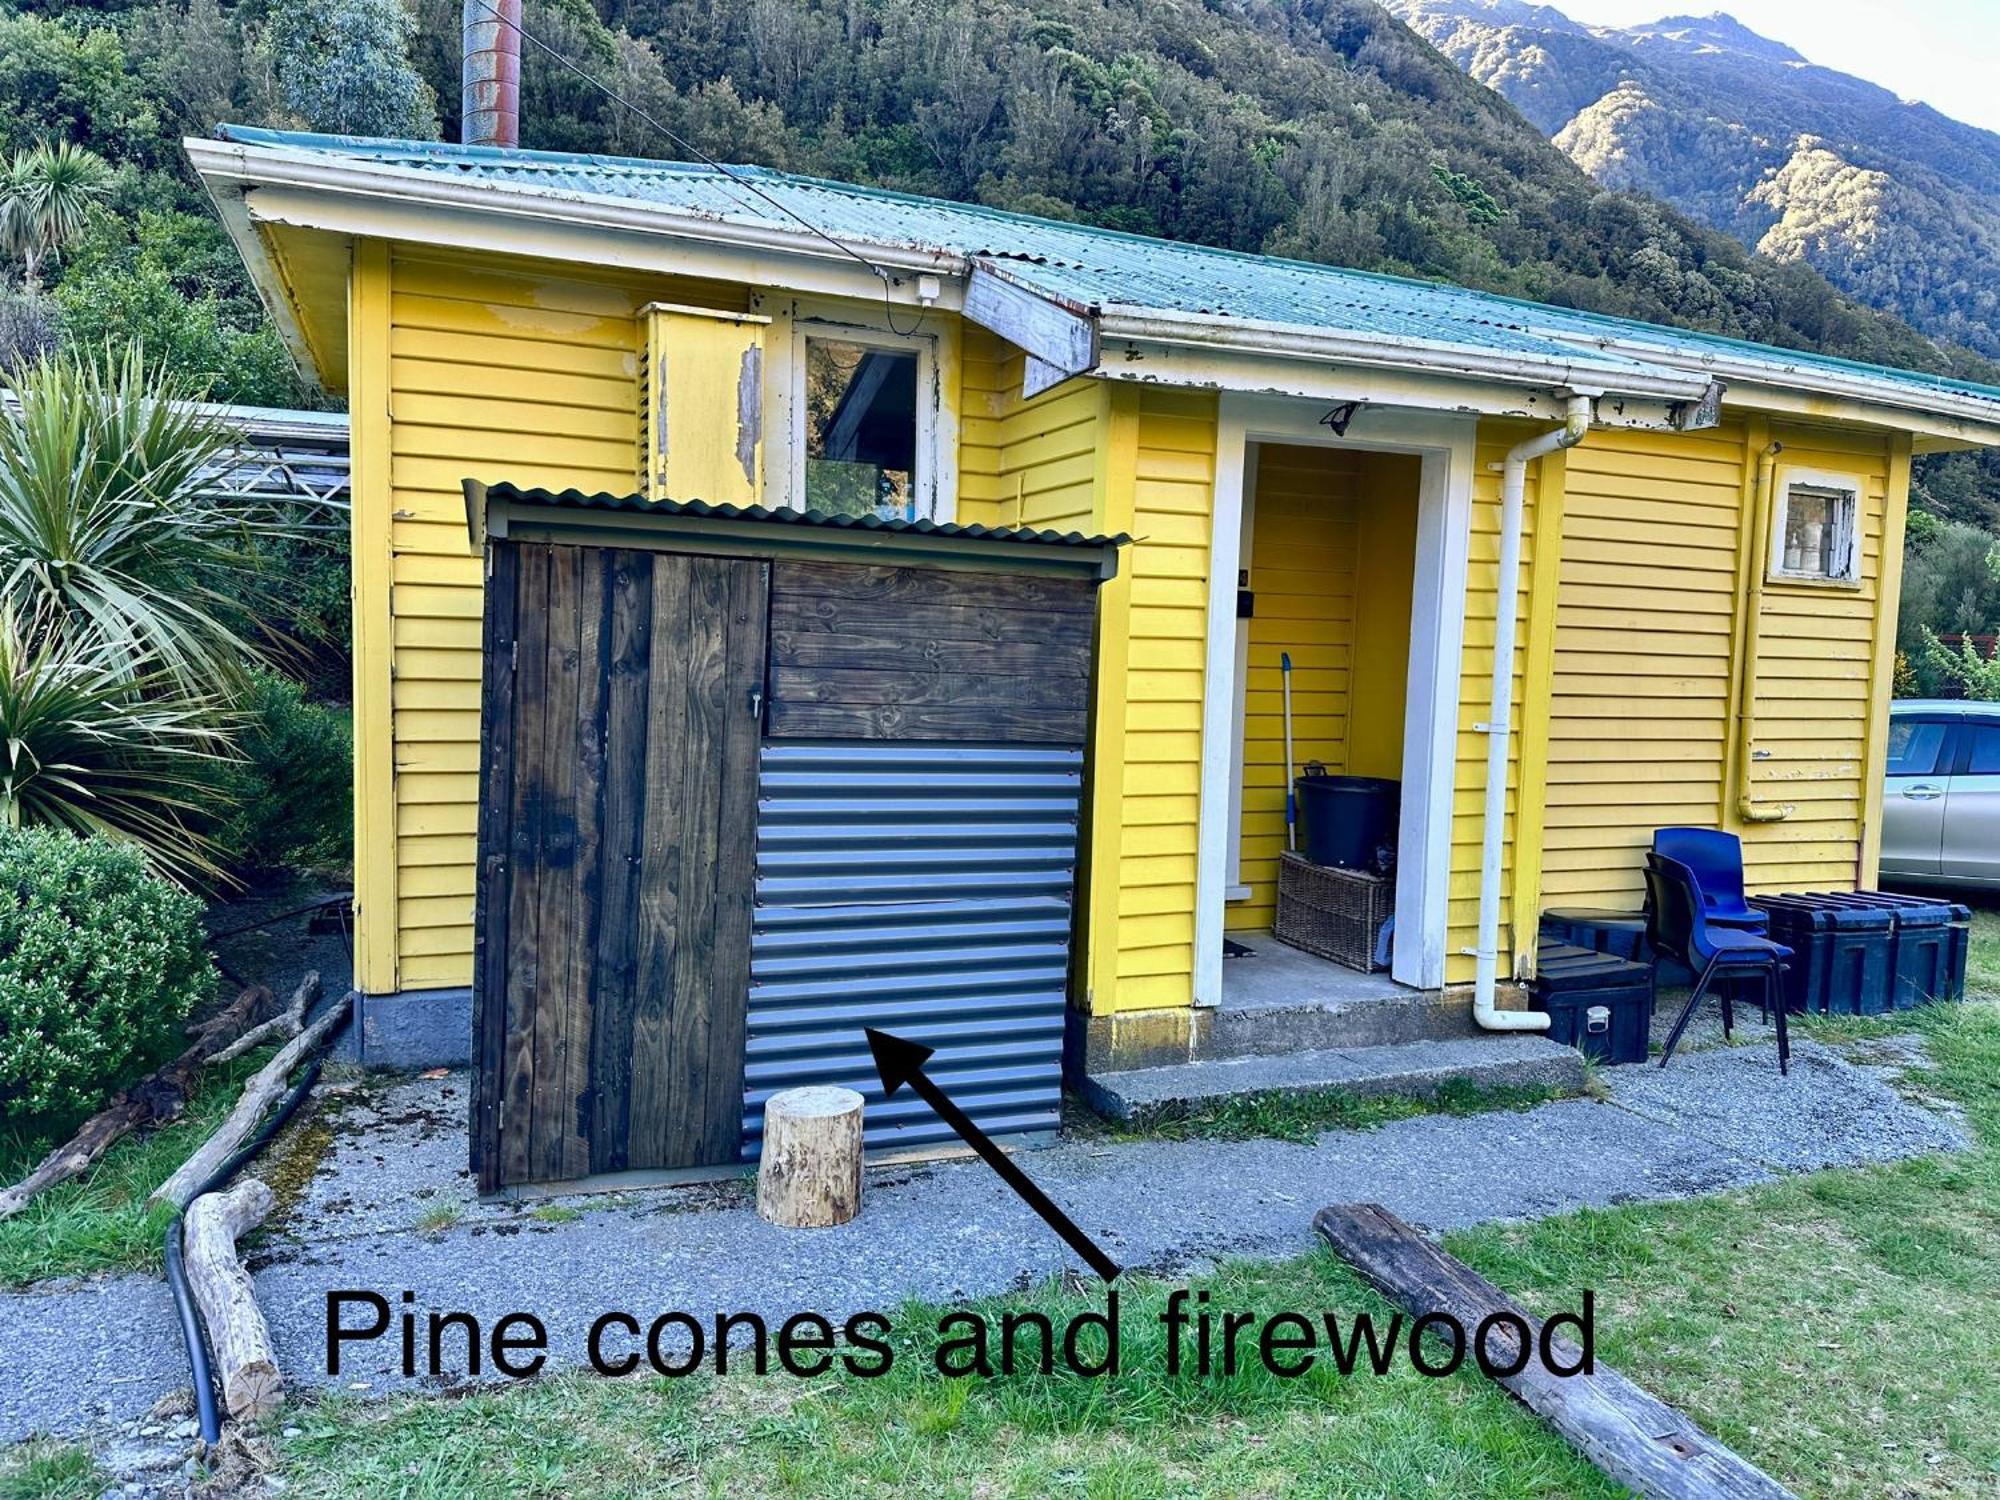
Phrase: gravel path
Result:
[77,1356]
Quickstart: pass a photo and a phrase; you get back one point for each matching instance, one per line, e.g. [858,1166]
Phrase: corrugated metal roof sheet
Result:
[785,516]
[1106,268]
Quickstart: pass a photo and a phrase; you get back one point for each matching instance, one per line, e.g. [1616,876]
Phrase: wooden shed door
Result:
[618,826]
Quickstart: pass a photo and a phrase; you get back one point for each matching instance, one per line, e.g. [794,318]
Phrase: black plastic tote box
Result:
[1926,960]
[1841,954]
[1599,928]
[1598,1003]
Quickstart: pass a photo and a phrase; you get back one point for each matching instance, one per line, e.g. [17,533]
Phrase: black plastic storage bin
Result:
[1842,953]
[1596,1002]
[1927,954]
[1599,928]
[1350,821]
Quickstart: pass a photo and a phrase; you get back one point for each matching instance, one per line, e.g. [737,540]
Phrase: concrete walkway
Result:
[80,1356]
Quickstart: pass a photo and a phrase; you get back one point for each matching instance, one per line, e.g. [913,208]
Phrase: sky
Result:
[1944,52]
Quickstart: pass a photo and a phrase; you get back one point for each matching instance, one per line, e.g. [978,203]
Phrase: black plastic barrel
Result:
[1350,821]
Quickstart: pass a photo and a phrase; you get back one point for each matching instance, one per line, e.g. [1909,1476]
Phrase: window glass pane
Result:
[1818,523]
[1914,745]
[1985,759]
[861,429]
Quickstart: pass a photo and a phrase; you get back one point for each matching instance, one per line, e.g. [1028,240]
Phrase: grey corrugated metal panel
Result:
[783,515]
[834,835]
[867,923]
[921,890]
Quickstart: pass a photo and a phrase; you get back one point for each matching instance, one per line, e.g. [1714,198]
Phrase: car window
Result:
[1985,757]
[1915,745]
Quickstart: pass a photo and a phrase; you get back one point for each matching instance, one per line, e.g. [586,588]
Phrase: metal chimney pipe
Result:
[490,80]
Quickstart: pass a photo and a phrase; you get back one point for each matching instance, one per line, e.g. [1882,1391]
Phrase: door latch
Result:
[757,702]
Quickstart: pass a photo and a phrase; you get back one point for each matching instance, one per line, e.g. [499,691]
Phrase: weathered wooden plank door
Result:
[617,832]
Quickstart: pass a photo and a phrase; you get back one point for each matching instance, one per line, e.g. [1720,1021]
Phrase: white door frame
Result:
[1444,442]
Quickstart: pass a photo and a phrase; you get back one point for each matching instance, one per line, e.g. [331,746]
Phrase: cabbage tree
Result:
[46,193]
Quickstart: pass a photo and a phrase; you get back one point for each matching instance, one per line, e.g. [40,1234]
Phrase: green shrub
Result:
[292,790]
[100,964]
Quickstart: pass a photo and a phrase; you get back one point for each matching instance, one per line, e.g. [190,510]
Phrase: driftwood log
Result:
[251,1384]
[266,1085]
[1625,1430]
[154,1100]
[285,1025]
[809,1175]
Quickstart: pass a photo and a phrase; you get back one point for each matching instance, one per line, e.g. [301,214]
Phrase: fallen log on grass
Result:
[259,1094]
[154,1100]
[245,1362]
[285,1025]
[1627,1432]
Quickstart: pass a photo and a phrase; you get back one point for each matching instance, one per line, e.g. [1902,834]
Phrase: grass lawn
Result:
[1841,1329]
[100,1222]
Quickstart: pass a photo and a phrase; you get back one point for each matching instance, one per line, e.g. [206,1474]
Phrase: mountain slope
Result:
[1894,202]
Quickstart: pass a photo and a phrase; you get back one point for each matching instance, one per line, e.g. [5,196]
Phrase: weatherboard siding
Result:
[518,373]
[1482,593]
[1640,704]
[1171,439]
[1302,562]
[526,371]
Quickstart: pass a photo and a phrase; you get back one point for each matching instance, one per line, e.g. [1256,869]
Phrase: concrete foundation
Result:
[410,1030]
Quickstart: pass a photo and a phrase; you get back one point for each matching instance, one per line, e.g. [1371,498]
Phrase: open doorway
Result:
[1402,480]
[1326,564]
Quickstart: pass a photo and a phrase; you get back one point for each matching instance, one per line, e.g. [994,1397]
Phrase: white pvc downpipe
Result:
[1499,725]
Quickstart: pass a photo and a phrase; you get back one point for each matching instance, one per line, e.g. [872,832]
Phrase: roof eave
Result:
[225,191]
[1635,368]
[1581,375]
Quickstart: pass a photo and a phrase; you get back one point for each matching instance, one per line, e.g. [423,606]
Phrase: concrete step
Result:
[1407,1069]
[1320,1023]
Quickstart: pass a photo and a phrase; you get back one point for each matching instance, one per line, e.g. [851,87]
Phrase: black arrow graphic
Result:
[900,1062]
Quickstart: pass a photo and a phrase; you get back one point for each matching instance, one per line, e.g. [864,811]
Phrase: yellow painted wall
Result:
[523,371]
[1025,463]
[1158,477]
[1475,691]
[1332,556]
[1640,720]
[1385,550]
[1302,576]
[458,369]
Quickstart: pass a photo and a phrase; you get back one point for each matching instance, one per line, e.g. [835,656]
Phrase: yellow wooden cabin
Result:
[1685,547]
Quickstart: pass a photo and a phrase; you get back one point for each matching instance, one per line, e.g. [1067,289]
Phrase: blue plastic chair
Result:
[1716,858]
[1680,929]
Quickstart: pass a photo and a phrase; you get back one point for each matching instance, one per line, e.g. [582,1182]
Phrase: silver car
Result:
[1941,797]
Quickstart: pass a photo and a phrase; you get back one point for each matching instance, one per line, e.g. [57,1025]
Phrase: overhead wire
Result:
[888,279]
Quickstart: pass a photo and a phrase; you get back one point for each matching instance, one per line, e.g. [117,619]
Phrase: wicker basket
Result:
[1336,914]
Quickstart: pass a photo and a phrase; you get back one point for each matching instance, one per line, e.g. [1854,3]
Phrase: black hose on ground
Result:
[206,1412]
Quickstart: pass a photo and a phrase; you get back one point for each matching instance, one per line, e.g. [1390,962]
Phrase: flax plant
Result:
[96,743]
[108,532]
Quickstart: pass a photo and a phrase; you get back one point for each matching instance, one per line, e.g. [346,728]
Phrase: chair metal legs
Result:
[1687,1011]
[1776,991]
[1771,998]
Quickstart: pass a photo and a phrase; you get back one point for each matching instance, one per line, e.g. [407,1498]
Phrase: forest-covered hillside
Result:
[1318,128]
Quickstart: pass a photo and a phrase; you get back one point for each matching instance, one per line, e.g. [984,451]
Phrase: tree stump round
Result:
[810,1174]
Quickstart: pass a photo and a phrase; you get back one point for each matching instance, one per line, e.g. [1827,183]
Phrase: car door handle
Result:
[1923,793]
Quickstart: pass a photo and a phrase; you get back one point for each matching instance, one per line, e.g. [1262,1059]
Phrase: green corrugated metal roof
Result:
[1104,268]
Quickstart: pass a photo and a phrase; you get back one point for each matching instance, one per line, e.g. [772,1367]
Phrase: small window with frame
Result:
[865,429]
[1816,531]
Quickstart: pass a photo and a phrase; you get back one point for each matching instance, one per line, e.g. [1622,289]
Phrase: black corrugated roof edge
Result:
[573,499]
